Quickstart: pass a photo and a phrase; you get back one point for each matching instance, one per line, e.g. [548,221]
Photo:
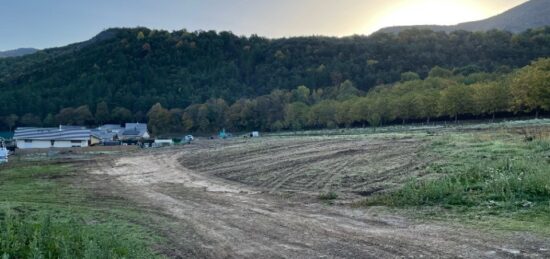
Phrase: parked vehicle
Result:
[4,152]
[188,139]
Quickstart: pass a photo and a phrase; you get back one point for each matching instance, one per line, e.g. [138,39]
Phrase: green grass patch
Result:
[482,175]
[328,196]
[44,215]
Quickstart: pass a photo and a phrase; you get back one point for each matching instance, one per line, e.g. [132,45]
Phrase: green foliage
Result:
[531,87]
[42,215]
[438,71]
[102,113]
[24,237]
[480,172]
[130,70]
[328,196]
[159,119]
[409,76]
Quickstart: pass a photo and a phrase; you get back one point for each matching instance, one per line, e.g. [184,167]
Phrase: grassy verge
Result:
[495,178]
[43,215]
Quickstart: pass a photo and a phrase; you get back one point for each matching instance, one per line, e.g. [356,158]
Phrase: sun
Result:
[421,12]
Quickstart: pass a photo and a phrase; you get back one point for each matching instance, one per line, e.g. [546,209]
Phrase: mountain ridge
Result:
[17,52]
[529,15]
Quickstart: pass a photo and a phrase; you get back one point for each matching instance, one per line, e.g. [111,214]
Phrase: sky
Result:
[44,24]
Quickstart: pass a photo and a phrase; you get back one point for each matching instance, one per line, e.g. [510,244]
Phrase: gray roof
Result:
[71,127]
[103,134]
[51,134]
[140,126]
[135,129]
[110,127]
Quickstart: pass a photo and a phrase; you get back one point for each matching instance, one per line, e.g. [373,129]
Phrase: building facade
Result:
[28,138]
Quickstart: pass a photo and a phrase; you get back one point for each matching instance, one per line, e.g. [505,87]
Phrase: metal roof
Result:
[135,129]
[51,134]
[103,134]
[110,127]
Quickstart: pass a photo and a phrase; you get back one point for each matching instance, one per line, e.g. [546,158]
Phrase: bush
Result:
[328,196]
[44,238]
[504,181]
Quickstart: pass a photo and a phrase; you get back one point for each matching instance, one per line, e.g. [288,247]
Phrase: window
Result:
[28,140]
[75,141]
[52,142]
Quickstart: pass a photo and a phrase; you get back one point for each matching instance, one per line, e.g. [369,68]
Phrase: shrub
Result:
[328,196]
[43,238]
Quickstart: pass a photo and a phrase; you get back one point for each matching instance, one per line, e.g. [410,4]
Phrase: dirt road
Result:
[213,213]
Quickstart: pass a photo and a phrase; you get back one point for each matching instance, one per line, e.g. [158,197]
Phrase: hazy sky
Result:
[41,23]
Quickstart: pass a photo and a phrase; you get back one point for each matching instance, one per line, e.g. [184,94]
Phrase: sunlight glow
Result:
[424,12]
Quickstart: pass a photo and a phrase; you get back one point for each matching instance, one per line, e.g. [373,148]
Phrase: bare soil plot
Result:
[216,199]
[345,165]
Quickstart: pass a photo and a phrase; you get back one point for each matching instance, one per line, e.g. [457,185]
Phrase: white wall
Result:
[164,141]
[47,144]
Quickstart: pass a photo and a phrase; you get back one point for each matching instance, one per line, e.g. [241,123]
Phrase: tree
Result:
[83,116]
[301,94]
[296,115]
[187,121]
[323,114]
[49,121]
[102,113]
[426,104]
[140,35]
[531,87]
[121,115]
[344,112]
[438,71]
[456,99]
[31,120]
[345,90]
[490,98]
[409,76]
[10,121]
[176,123]
[66,116]
[159,119]
[360,110]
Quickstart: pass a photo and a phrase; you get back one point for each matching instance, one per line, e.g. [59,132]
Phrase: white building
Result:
[26,138]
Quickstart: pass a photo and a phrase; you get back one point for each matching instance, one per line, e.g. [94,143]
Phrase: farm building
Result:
[102,136]
[134,131]
[114,128]
[51,137]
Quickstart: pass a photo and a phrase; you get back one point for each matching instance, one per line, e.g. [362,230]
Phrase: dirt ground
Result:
[257,199]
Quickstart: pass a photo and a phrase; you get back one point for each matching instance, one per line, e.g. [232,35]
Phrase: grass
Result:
[328,196]
[496,175]
[44,215]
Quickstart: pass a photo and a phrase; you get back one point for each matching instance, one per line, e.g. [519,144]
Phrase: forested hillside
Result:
[119,75]
[441,95]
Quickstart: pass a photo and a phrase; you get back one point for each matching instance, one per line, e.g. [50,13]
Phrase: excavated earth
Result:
[258,199]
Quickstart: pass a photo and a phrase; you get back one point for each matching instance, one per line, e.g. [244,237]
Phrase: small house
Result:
[134,131]
[26,138]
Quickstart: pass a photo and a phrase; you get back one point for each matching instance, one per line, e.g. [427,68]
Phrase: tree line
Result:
[443,93]
[130,70]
